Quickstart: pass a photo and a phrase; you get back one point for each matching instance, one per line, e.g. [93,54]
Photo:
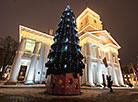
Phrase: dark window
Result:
[131,70]
[125,70]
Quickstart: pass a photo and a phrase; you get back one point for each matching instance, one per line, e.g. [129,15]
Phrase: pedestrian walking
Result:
[110,83]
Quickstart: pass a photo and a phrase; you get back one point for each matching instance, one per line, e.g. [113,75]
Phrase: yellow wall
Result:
[89,17]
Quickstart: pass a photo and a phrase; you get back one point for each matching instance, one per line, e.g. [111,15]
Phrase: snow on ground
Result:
[88,94]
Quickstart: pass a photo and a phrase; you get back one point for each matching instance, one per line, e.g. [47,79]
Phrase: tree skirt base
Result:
[63,84]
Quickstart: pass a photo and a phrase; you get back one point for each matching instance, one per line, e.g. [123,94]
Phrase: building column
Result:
[114,76]
[16,62]
[31,71]
[44,69]
[99,79]
[40,65]
[84,76]
[120,77]
[89,65]
[113,72]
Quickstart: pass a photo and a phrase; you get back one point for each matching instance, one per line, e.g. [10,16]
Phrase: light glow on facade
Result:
[29,33]
[95,43]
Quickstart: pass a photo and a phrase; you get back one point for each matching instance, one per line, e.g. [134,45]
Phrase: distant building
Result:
[29,62]
[130,74]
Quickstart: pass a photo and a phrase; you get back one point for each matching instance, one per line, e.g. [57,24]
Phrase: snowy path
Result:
[87,95]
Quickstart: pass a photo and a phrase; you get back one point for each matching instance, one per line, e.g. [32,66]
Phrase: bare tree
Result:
[8,47]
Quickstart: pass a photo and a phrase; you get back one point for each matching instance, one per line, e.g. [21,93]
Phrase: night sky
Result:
[119,17]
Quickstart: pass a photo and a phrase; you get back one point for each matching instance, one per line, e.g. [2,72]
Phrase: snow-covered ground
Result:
[88,94]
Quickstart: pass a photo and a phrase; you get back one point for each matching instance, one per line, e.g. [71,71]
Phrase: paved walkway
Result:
[38,93]
[43,86]
[23,86]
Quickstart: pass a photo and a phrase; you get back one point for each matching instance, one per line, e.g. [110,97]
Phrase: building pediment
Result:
[103,37]
[32,34]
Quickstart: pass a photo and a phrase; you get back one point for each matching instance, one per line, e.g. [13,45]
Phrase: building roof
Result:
[29,33]
[86,11]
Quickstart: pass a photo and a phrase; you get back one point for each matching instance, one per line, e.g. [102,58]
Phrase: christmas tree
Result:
[65,54]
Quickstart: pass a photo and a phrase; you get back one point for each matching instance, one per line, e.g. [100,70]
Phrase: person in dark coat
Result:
[110,83]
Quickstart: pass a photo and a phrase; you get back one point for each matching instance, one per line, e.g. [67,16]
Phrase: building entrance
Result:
[22,73]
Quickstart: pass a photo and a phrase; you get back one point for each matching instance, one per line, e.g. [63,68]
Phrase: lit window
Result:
[128,75]
[29,46]
[124,75]
[129,79]
[93,51]
[125,79]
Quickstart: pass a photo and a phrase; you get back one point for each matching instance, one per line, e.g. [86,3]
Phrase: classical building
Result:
[29,62]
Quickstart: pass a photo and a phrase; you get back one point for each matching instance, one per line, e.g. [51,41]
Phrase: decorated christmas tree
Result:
[65,58]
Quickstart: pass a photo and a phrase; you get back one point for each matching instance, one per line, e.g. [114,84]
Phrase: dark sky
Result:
[120,18]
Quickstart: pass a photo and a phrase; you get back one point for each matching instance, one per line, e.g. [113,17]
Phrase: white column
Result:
[93,73]
[40,65]
[44,69]
[99,79]
[113,72]
[119,74]
[16,62]
[108,69]
[30,74]
[83,77]
[114,76]
[85,69]
[89,65]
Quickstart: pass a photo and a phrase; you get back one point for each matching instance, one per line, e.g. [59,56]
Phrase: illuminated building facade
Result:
[29,63]
[96,43]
